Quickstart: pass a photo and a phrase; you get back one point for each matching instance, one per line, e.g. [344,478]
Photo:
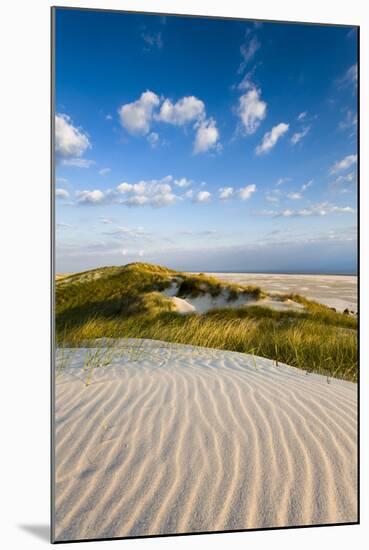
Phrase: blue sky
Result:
[205,144]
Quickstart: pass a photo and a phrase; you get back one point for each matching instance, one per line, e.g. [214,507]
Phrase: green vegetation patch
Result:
[126,302]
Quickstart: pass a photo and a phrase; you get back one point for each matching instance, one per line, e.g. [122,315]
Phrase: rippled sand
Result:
[175,439]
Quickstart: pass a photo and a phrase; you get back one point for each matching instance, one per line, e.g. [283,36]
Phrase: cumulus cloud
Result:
[298,136]
[343,164]
[136,117]
[245,192]
[61,193]
[225,193]
[90,197]
[156,193]
[207,136]
[183,182]
[202,196]
[183,111]
[70,141]
[302,116]
[251,110]
[271,138]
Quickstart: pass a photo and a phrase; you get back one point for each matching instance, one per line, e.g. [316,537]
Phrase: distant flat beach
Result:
[338,291]
[173,438]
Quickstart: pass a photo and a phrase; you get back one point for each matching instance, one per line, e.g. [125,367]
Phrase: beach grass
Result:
[126,302]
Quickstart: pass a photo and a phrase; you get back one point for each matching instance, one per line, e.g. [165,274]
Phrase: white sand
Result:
[206,302]
[174,439]
[338,291]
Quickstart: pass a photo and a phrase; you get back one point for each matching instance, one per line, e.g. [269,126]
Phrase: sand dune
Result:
[338,291]
[174,439]
[206,302]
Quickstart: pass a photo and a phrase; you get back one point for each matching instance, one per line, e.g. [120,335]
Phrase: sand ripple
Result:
[183,439]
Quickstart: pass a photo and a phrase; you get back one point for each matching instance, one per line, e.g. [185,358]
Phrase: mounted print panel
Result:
[205,374]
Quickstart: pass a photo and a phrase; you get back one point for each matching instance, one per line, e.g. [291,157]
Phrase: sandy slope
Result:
[205,302]
[174,438]
[338,291]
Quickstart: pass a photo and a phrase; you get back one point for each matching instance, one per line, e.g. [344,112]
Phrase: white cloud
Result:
[350,77]
[202,196]
[183,182]
[294,196]
[225,193]
[247,82]
[185,110]
[61,193]
[350,121]
[90,197]
[270,138]
[281,181]
[251,110]
[321,209]
[302,116]
[343,164]
[349,178]
[306,185]
[248,50]
[136,117]
[104,171]
[153,39]
[70,141]
[245,192]
[156,193]
[108,117]
[153,139]
[345,184]
[298,136]
[207,136]
[189,194]
[78,162]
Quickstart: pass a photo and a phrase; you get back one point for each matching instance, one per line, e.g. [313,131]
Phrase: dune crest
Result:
[173,438]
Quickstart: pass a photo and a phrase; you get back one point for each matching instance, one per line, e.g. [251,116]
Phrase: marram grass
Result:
[126,303]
